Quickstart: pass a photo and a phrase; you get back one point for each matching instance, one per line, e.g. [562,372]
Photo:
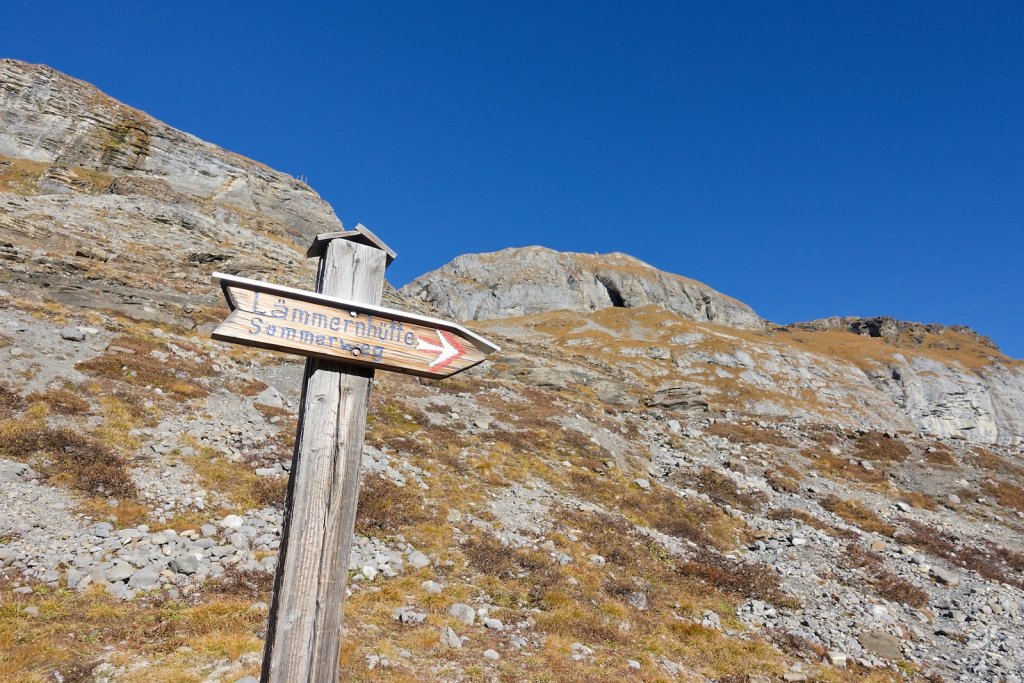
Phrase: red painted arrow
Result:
[449,350]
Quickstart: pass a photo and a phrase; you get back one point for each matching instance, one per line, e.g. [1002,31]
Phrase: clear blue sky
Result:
[808,158]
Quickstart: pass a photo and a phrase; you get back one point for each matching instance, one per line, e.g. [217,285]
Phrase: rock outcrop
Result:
[51,118]
[523,281]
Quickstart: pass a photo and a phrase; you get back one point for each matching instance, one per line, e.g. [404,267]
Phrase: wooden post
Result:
[304,631]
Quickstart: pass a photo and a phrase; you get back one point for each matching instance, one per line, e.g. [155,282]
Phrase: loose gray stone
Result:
[450,638]
[185,564]
[464,613]
[946,577]
[270,397]
[881,644]
[418,560]
[146,578]
[408,615]
[119,572]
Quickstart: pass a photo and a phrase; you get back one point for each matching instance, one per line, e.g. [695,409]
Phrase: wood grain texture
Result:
[288,324]
[304,632]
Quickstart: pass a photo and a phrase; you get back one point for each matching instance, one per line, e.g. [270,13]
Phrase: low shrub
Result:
[857,513]
[62,401]
[65,456]
[253,584]
[137,365]
[386,506]
[747,580]
[886,584]
[875,445]
[748,434]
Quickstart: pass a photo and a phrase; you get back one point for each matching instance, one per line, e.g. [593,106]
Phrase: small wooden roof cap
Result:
[360,234]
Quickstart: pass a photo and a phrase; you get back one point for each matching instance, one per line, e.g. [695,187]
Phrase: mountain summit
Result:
[523,281]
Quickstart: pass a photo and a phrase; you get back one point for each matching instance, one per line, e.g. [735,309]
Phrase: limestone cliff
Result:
[534,280]
[51,118]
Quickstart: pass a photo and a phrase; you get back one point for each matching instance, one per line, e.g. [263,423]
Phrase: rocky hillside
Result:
[679,335]
[650,486]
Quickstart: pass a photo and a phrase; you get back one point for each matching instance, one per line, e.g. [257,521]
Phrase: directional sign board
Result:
[285,319]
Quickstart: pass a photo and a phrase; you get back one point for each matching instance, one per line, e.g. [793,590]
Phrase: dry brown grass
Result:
[811,521]
[782,482]
[838,467]
[63,401]
[11,402]
[884,582]
[919,500]
[748,434]
[865,352]
[723,491]
[746,580]
[252,387]
[876,446]
[384,506]
[538,572]
[71,632]
[658,508]
[857,514]
[243,583]
[941,455]
[67,458]
[796,645]
[1006,493]
[986,459]
[237,481]
[990,560]
[175,375]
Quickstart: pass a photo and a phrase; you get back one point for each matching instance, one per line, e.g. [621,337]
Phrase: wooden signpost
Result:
[347,335]
[286,319]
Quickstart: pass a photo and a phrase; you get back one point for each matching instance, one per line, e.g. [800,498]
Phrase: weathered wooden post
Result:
[304,632]
[348,335]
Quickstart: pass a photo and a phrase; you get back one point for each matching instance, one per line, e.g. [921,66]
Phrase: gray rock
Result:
[408,615]
[231,522]
[52,118]
[450,638]
[185,564]
[492,654]
[119,572]
[881,644]
[146,578]
[711,620]
[637,599]
[464,613]
[14,472]
[418,560]
[269,397]
[945,577]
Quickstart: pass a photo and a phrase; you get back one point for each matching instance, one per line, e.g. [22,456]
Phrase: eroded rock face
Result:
[523,281]
[46,116]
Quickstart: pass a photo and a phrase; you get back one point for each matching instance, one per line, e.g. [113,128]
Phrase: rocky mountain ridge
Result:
[524,281]
[625,493]
[941,380]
